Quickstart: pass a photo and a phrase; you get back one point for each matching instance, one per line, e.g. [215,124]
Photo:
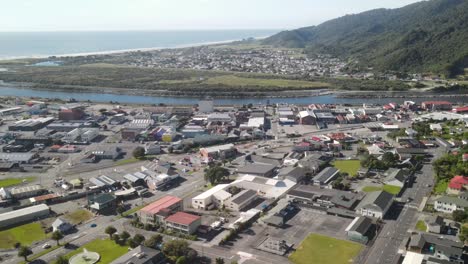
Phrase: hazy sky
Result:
[52,15]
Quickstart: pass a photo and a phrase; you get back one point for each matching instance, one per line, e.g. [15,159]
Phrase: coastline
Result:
[120,51]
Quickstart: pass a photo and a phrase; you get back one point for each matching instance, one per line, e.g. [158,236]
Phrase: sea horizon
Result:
[16,45]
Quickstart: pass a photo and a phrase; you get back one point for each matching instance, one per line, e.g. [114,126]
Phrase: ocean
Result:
[43,44]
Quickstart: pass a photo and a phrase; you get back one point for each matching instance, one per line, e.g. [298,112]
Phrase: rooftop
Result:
[165,202]
[182,218]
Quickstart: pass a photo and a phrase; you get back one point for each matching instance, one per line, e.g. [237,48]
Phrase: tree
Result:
[24,252]
[138,152]
[115,237]
[192,255]
[110,230]
[459,215]
[215,174]
[181,260]
[57,235]
[219,261]
[125,235]
[233,262]
[154,241]
[120,209]
[132,243]
[139,238]
[175,248]
[61,260]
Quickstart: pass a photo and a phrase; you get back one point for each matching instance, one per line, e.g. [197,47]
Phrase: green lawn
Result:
[421,226]
[126,161]
[392,189]
[78,216]
[25,234]
[320,249]
[108,249]
[133,210]
[441,187]
[232,80]
[388,188]
[349,166]
[14,181]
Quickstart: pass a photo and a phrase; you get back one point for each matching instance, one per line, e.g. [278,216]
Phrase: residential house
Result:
[437,247]
[457,184]
[448,204]
[61,225]
[434,224]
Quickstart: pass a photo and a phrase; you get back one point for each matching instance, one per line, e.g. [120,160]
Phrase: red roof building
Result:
[436,105]
[156,211]
[457,184]
[183,222]
[461,110]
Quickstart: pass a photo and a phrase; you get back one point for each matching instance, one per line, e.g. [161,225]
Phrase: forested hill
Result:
[429,36]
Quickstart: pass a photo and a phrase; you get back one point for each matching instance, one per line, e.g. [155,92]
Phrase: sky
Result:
[64,15]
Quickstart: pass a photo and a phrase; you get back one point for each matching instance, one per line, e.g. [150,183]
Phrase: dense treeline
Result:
[425,36]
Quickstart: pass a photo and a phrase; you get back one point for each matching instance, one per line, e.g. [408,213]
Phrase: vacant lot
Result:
[78,216]
[232,80]
[324,250]
[14,181]
[388,188]
[108,250]
[25,234]
[421,226]
[349,166]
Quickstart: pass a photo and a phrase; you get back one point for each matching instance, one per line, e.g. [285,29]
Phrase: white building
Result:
[212,198]
[448,204]
[24,215]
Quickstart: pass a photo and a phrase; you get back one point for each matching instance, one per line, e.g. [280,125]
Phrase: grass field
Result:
[320,249]
[108,250]
[8,182]
[349,166]
[232,80]
[388,188]
[421,226]
[25,234]
[133,210]
[78,216]
[440,187]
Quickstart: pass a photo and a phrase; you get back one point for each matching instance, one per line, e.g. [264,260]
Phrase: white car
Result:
[45,246]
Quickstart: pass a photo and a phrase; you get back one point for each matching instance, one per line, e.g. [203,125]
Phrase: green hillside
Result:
[429,36]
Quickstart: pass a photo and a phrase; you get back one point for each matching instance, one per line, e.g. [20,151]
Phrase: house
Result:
[160,209]
[183,222]
[103,202]
[457,184]
[396,177]
[262,170]
[448,204]
[361,229]
[437,247]
[375,204]
[61,225]
[141,255]
[326,176]
[434,224]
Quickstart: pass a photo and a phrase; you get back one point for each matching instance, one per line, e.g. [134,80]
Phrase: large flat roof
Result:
[182,218]
[24,211]
[211,191]
[165,202]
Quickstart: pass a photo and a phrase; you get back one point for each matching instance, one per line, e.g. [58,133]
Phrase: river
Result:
[140,99]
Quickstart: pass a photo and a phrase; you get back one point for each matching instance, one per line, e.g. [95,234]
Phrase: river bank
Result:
[332,97]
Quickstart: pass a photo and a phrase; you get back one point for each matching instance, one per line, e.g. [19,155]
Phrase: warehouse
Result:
[24,215]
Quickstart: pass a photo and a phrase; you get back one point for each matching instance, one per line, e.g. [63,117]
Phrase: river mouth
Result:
[308,98]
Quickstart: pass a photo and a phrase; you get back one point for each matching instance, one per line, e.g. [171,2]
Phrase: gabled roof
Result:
[377,201]
[165,202]
[360,225]
[458,182]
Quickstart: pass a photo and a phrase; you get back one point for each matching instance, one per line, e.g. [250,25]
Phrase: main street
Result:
[385,247]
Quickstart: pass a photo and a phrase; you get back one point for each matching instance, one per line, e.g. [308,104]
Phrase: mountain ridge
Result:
[428,36]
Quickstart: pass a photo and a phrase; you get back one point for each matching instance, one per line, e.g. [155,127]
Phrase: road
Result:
[385,247]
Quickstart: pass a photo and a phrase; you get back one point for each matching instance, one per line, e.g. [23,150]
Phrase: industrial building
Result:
[24,215]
